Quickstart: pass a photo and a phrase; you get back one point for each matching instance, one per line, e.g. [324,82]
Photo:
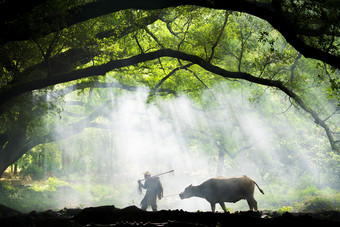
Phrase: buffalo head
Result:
[188,192]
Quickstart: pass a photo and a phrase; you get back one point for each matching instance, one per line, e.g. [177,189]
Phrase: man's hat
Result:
[147,173]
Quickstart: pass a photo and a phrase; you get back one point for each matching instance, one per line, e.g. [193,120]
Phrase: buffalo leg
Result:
[223,206]
[252,203]
[212,207]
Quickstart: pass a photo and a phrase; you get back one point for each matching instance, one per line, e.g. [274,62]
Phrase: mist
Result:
[231,131]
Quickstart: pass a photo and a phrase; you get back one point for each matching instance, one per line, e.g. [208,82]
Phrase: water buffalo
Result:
[220,190]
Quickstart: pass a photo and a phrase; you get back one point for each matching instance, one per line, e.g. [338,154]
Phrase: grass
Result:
[56,194]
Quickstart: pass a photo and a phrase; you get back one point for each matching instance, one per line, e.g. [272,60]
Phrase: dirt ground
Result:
[133,216]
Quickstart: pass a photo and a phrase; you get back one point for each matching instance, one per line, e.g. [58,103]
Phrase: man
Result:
[153,188]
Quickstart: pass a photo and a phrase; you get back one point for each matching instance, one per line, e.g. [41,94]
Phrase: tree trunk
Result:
[12,151]
[220,163]
[15,168]
[65,162]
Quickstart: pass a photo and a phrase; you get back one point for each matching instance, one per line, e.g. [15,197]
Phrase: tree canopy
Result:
[53,48]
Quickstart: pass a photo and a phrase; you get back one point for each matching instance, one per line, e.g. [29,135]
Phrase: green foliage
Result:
[284,209]
[42,196]
[33,171]
[100,194]
[247,44]
[40,162]
[317,203]
[53,183]
[308,191]
[25,199]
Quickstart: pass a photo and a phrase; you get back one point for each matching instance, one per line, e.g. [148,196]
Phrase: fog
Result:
[256,131]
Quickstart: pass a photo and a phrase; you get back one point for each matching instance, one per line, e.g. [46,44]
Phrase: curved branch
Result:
[116,64]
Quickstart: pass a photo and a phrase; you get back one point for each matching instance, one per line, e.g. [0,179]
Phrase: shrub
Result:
[284,209]
[54,182]
[33,171]
[310,190]
[317,203]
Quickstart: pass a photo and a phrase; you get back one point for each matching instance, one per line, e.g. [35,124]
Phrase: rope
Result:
[170,195]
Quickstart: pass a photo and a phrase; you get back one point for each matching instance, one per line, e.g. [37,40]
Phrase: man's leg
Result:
[144,204]
[154,207]
[154,204]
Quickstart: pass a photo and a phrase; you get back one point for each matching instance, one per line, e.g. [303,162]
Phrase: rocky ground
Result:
[133,216]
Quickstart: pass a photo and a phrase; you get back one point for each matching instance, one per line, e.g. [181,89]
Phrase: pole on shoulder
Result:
[171,171]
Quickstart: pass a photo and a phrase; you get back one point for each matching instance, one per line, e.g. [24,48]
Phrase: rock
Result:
[133,216]
[6,212]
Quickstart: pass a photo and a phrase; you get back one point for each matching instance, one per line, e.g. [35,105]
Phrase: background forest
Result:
[220,93]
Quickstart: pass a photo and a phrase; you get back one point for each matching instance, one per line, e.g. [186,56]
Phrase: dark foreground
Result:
[133,216]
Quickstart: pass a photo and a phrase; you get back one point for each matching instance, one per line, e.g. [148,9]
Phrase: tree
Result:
[75,50]
[310,26]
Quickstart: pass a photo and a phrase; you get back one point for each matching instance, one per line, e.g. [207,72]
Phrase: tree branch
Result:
[227,13]
[14,91]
